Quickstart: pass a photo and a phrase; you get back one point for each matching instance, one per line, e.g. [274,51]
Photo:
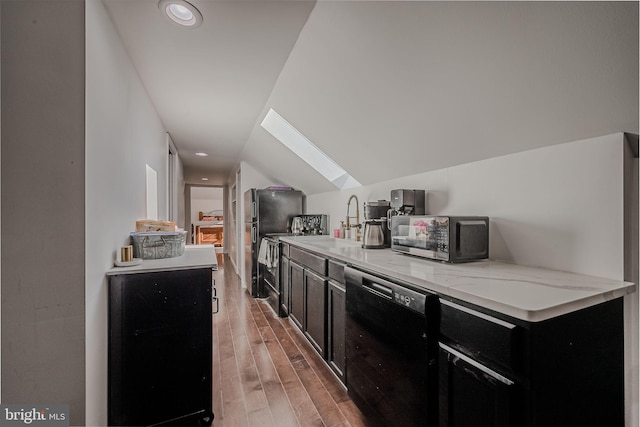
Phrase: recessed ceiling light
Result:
[181,12]
[201,154]
[205,179]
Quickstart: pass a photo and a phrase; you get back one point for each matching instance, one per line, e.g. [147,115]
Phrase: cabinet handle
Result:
[478,314]
[379,289]
[476,365]
[217,301]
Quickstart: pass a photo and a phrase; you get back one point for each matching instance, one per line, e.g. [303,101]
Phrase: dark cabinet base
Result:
[160,349]
[563,372]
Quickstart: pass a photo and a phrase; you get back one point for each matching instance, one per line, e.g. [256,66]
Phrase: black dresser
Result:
[160,348]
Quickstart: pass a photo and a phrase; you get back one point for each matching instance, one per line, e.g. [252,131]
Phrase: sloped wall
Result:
[396,88]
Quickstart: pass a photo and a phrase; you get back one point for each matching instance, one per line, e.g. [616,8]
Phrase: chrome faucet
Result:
[357,217]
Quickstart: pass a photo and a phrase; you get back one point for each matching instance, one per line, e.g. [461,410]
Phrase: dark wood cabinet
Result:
[489,369]
[336,306]
[160,347]
[315,324]
[296,307]
[471,394]
[285,285]
[317,304]
[499,371]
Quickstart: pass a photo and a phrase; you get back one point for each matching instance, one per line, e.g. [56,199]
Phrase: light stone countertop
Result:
[195,256]
[527,293]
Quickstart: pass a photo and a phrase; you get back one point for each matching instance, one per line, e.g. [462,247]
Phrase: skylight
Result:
[291,137]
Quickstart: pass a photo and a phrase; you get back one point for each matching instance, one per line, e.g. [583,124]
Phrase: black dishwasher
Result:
[391,350]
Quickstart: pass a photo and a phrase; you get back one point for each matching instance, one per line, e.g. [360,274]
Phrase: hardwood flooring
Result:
[265,373]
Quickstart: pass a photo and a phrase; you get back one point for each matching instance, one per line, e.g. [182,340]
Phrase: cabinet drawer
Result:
[482,335]
[336,271]
[309,260]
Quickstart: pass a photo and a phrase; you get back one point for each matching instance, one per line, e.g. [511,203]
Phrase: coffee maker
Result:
[407,202]
[377,231]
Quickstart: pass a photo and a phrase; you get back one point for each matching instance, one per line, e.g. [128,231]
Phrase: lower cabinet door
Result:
[315,325]
[285,287]
[472,394]
[296,297]
[336,315]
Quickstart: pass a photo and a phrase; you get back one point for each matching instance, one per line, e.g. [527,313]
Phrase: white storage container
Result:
[158,244]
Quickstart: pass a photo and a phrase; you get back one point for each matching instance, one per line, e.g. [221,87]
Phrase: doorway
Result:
[207,208]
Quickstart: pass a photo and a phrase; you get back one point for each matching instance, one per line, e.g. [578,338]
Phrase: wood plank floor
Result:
[265,373]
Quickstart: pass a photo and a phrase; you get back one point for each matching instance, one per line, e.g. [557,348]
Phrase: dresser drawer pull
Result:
[478,314]
[476,365]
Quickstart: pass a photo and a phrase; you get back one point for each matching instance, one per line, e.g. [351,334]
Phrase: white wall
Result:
[205,200]
[559,207]
[43,187]
[123,133]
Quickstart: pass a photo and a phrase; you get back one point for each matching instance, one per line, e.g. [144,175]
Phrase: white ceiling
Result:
[388,89]
[209,84]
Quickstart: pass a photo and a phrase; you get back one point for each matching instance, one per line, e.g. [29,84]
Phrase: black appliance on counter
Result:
[311,224]
[267,211]
[408,202]
[441,238]
[391,350]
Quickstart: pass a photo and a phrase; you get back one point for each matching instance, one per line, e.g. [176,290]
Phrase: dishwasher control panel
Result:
[409,299]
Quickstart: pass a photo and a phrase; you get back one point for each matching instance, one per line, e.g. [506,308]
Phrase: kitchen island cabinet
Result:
[518,346]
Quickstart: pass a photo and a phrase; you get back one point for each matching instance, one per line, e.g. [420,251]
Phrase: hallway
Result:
[265,373]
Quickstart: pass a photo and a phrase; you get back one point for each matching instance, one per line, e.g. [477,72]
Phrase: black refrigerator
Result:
[266,211]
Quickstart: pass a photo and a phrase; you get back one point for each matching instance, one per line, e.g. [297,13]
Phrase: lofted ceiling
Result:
[210,83]
[386,88]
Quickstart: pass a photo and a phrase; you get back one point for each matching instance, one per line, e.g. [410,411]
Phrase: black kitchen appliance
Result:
[376,209]
[443,238]
[267,211]
[391,350]
[311,224]
[408,202]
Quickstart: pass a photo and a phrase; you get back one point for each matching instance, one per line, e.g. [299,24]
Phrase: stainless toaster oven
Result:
[443,238]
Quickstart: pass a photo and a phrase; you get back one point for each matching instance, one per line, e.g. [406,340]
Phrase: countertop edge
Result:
[194,257]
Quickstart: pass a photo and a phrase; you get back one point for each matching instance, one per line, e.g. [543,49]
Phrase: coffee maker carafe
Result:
[373,236]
